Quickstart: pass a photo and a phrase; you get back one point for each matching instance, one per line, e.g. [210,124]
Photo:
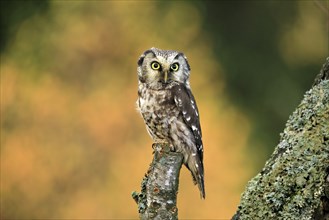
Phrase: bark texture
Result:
[158,196]
[294,183]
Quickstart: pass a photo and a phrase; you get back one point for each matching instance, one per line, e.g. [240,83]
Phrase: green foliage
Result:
[248,40]
[13,13]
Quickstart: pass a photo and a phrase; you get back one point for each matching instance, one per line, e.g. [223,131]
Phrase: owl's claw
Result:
[170,147]
[160,142]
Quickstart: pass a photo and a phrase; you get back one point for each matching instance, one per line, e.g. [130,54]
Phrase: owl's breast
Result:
[158,110]
[155,101]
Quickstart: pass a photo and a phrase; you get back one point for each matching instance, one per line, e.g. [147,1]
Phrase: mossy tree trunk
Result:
[294,184]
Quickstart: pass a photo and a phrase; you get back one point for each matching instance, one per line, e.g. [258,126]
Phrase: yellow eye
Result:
[155,65]
[174,67]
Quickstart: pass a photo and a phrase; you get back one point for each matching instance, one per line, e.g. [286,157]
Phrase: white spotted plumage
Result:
[168,108]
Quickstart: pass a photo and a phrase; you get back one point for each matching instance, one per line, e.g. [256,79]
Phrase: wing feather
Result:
[185,102]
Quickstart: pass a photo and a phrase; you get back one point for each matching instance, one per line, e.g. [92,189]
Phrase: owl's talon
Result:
[159,143]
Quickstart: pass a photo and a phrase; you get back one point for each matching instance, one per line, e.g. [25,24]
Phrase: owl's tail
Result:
[195,165]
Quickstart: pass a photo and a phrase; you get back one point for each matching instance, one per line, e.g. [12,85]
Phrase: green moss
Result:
[140,198]
[292,182]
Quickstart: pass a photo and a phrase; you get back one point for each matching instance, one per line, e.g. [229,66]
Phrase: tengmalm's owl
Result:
[168,107]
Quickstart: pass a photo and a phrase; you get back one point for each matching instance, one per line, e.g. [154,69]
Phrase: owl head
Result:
[161,68]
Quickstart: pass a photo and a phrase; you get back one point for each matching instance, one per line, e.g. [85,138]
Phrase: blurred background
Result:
[72,144]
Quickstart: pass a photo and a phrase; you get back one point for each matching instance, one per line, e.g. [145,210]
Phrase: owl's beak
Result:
[165,76]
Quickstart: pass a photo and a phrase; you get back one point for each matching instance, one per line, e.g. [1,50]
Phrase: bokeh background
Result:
[73,145]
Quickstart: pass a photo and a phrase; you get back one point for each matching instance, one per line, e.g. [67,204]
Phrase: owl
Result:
[168,107]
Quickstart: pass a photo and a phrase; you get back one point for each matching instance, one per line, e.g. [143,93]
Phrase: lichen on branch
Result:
[158,196]
[294,182]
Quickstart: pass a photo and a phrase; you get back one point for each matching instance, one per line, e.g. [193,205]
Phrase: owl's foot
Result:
[160,142]
[163,144]
[172,148]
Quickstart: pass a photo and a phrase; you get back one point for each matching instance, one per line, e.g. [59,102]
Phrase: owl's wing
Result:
[186,104]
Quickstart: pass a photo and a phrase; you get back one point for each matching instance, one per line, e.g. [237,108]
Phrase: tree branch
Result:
[157,199]
[294,184]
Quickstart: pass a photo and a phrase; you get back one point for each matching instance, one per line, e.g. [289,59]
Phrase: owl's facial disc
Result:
[159,68]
